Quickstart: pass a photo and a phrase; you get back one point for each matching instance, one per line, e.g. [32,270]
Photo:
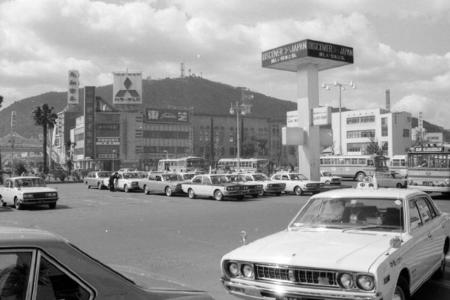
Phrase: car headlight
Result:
[50,194]
[27,196]
[346,280]
[365,282]
[247,271]
[233,269]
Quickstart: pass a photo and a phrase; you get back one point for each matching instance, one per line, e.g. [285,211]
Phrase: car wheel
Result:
[261,193]
[218,195]
[278,194]
[146,190]
[52,205]
[298,191]
[88,186]
[125,188]
[168,191]
[241,197]
[255,195]
[399,185]
[191,194]
[401,291]
[441,271]
[17,204]
[327,182]
[3,203]
[360,176]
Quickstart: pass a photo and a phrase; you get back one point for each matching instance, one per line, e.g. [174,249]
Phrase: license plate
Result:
[427,183]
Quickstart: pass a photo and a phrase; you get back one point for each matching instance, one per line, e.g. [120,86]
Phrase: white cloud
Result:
[223,39]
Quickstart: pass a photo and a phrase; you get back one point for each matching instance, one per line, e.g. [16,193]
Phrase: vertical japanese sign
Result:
[89,119]
[127,88]
[73,96]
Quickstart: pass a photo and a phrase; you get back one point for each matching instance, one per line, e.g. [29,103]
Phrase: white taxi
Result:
[217,186]
[363,243]
[26,191]
[297,183]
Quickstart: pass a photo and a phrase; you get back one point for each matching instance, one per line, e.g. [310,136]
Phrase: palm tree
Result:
[45,117]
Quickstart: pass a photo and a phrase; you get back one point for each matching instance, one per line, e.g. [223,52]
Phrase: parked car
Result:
[390,179]
[213,185]
[253,188]
[297,183]
[26,191]
[97,179]
[269,186]
[164,183]
[39,263]
[329,179]
[363,243]
[128,181]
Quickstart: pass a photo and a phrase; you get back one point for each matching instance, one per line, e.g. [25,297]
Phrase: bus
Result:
[250,165]
[353,166]
[429,168]
[183,164]
[397,164]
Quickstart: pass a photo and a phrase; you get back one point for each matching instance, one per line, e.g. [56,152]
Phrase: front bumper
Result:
[38,201]
[270,291]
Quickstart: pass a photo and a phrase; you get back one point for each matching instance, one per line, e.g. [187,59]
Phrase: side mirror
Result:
[243,237]
[395,242]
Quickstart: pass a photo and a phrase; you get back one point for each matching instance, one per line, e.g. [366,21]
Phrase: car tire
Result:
[439,274]
[241,197]
[218,195]
[88,186]
[255,195]
[401,291]
[399,185]
[278,194]
[327,182]
[261,193]
[52,205]
[146,190]
[298,191]
[125,189]
[168,191]
[191,194]
[3,203]
[17,204]
[360,176]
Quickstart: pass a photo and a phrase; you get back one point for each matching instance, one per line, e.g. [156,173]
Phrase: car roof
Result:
[21,237]
[370,193]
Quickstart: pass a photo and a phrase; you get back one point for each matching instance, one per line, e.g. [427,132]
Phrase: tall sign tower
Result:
[306,58]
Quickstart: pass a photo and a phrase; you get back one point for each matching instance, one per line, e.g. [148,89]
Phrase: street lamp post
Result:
[113,159]
[341,87]
[240,107]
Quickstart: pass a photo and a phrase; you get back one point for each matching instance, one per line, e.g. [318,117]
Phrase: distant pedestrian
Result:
[112,180]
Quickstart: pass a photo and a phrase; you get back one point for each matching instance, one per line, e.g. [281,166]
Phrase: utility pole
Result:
[13,125]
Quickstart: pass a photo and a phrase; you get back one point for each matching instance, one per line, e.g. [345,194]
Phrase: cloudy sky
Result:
[401,45]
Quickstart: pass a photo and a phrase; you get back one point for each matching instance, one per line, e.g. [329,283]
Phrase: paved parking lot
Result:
[172,238]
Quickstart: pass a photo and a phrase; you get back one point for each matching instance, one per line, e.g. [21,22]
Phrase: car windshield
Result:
[103,174]
[352,213]
[29,182]
[188,176]
[172,177]
[297,177]
[219,179]
[260,177]
[130,175]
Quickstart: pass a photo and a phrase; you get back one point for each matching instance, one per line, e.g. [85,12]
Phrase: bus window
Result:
[370,162]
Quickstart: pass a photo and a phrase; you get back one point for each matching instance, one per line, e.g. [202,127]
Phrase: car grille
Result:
[299,276]
[313,185]
[40,195]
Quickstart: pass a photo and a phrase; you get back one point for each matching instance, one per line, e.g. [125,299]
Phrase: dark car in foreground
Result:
[36,264]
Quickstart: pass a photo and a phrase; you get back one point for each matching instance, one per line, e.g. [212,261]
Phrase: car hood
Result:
[317,248]
[160,286]
[37,190]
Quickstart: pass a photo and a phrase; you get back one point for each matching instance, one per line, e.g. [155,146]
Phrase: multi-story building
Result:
[391,130]
[25,150]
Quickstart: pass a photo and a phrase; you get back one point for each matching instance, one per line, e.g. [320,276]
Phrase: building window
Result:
[357,120]
[355,134]
[384,127]
[406,133]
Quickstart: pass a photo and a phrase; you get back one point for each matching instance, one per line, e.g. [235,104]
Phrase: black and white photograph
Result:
[194,149]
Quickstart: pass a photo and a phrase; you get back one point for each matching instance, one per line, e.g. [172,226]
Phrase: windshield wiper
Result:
[372,226]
